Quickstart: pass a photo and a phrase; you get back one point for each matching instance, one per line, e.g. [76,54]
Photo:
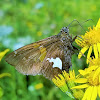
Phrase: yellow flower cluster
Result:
[86,85]
[66,81]
[90,41]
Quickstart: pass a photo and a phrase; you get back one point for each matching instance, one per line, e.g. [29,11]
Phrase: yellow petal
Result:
[99,78]
[5,74]
[72,74]
[94,93]
[80,80]
[80,86]
[78,41]
[96,73]
[99,90]
[78,76]
[61,77]
[98,24]
[38,86]
[82,72]
[87,92]
[98,46]
[89,54]
[66,75]
[91,68]
[59,81]
[95,51]
[3,53]
[87,70]
[54,81]
[83,50]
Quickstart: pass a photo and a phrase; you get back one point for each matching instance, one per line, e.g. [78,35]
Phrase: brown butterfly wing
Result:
[53,52]
[32,59]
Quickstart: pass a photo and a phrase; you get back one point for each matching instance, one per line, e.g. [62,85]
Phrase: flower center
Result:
[93,82]
[92,36]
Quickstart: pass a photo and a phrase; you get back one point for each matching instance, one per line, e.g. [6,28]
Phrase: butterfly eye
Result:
[65,30]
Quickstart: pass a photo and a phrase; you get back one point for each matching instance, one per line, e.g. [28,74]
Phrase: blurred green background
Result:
[26,21]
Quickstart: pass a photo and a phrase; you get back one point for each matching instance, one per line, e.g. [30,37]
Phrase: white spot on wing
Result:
[57,62]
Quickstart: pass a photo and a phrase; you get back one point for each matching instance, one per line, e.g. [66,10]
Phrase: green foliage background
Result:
[27,21]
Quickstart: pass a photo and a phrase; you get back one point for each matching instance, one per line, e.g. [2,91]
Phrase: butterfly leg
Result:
[74,38]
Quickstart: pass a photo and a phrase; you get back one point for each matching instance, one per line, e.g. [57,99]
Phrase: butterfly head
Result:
[64,31]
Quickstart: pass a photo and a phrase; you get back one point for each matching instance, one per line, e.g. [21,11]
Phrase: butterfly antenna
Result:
[88,20]
[77,22]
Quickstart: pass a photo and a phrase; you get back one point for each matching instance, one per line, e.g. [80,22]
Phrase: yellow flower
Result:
[5,74]
[65,82]
[39,33]
[91,41]
[60,82]
[38,86]
[91,86]
[69,76]
[3,53]
[94,65]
